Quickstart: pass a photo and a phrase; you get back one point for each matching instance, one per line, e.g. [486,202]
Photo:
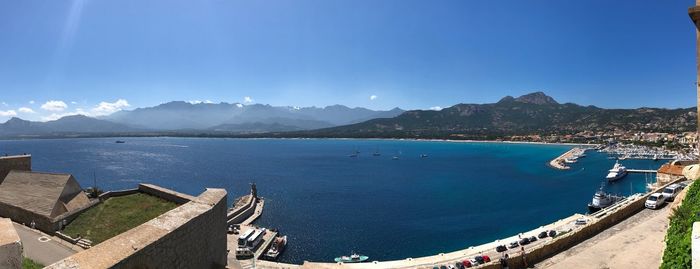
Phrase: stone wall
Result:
[109,194]
[189,236]
[10,246]
[166,194]
[243,213]
[9,163]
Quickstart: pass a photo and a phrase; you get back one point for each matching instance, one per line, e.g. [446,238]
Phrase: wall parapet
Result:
[167,194]
[189,236]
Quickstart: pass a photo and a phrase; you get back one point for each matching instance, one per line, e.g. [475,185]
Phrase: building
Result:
[669,172]
[44,199]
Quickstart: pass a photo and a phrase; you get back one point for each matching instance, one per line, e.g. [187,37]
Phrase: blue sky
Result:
[95,57]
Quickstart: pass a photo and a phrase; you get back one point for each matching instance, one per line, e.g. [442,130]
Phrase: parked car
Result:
[581,221]
[655,200]
[514,244]
[459,265]
[474,262]
[552,233]
[443,267]
[672,191]
[450,266]
[467,263]
[486,258]
[532,239]
[501,248]
[524,241]
[542,235]
[479,259]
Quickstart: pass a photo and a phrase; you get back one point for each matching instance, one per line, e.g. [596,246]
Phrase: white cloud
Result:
[54,105]
[248,100]
[435,108]
[106,108]
[31,102]
[8,113]
[26,110]
[239,105]
[372,97]
[55,116]
[74,102]
[4,104]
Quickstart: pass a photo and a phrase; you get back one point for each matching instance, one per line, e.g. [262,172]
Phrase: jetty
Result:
[559,162]
[640,171]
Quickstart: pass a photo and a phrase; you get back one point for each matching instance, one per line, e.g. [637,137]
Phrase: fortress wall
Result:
[9,163]
[10,246]
[167,194]
[106,195]
[189,236]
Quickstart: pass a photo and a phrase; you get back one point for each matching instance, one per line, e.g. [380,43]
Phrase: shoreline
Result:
[300,138]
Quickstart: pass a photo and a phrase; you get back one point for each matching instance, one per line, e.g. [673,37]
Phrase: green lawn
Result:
[117,215]
[29,264]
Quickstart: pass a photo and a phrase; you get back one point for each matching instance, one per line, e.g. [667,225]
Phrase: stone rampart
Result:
[10,246]
[189,236]
[109,194]
[166,194]
[9,163]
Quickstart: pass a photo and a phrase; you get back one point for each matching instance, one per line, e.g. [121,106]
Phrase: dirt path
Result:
[637,242]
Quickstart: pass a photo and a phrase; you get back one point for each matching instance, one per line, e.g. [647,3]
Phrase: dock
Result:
[640,171]
[232,244]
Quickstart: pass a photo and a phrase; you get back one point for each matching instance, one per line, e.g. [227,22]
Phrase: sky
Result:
[95,57]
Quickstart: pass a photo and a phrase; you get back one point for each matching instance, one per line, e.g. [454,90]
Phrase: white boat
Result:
[570,160]
[602,199]
[617,172]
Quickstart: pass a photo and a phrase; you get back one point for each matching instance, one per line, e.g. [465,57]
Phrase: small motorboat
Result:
[352,258]
[120,141]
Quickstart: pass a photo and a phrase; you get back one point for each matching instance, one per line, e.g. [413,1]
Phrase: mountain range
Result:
[534,113]
[185,117]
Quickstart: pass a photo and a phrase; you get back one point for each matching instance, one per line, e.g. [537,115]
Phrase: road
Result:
[636,242]
[40,247]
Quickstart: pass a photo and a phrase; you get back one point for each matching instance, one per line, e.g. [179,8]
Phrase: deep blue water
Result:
[329,204]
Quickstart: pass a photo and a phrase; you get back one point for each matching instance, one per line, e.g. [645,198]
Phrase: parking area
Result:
[636,242]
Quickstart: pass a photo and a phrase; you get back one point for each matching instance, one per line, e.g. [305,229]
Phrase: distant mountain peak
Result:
[538,98]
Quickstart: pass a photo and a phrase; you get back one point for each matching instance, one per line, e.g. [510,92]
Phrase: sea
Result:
[392,206]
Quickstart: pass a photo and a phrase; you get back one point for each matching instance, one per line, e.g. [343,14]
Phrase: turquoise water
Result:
[329,204]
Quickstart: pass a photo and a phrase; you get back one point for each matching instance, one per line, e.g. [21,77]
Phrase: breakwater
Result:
[560,162]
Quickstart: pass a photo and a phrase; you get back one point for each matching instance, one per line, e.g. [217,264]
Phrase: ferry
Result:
[352,258]
[424,155]
[602,199]
[617,172]
[120,141]
[276,248]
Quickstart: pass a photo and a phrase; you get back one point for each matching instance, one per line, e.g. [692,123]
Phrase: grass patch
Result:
[117,215]
[677,253]
[30,264]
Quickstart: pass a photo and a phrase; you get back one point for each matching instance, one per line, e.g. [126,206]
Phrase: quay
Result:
[640,171]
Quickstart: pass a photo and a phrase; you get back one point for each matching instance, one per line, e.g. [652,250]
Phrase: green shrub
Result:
[30,264]
[678,246]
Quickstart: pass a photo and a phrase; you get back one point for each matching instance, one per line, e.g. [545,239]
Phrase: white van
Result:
[671,191]
[655,201]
